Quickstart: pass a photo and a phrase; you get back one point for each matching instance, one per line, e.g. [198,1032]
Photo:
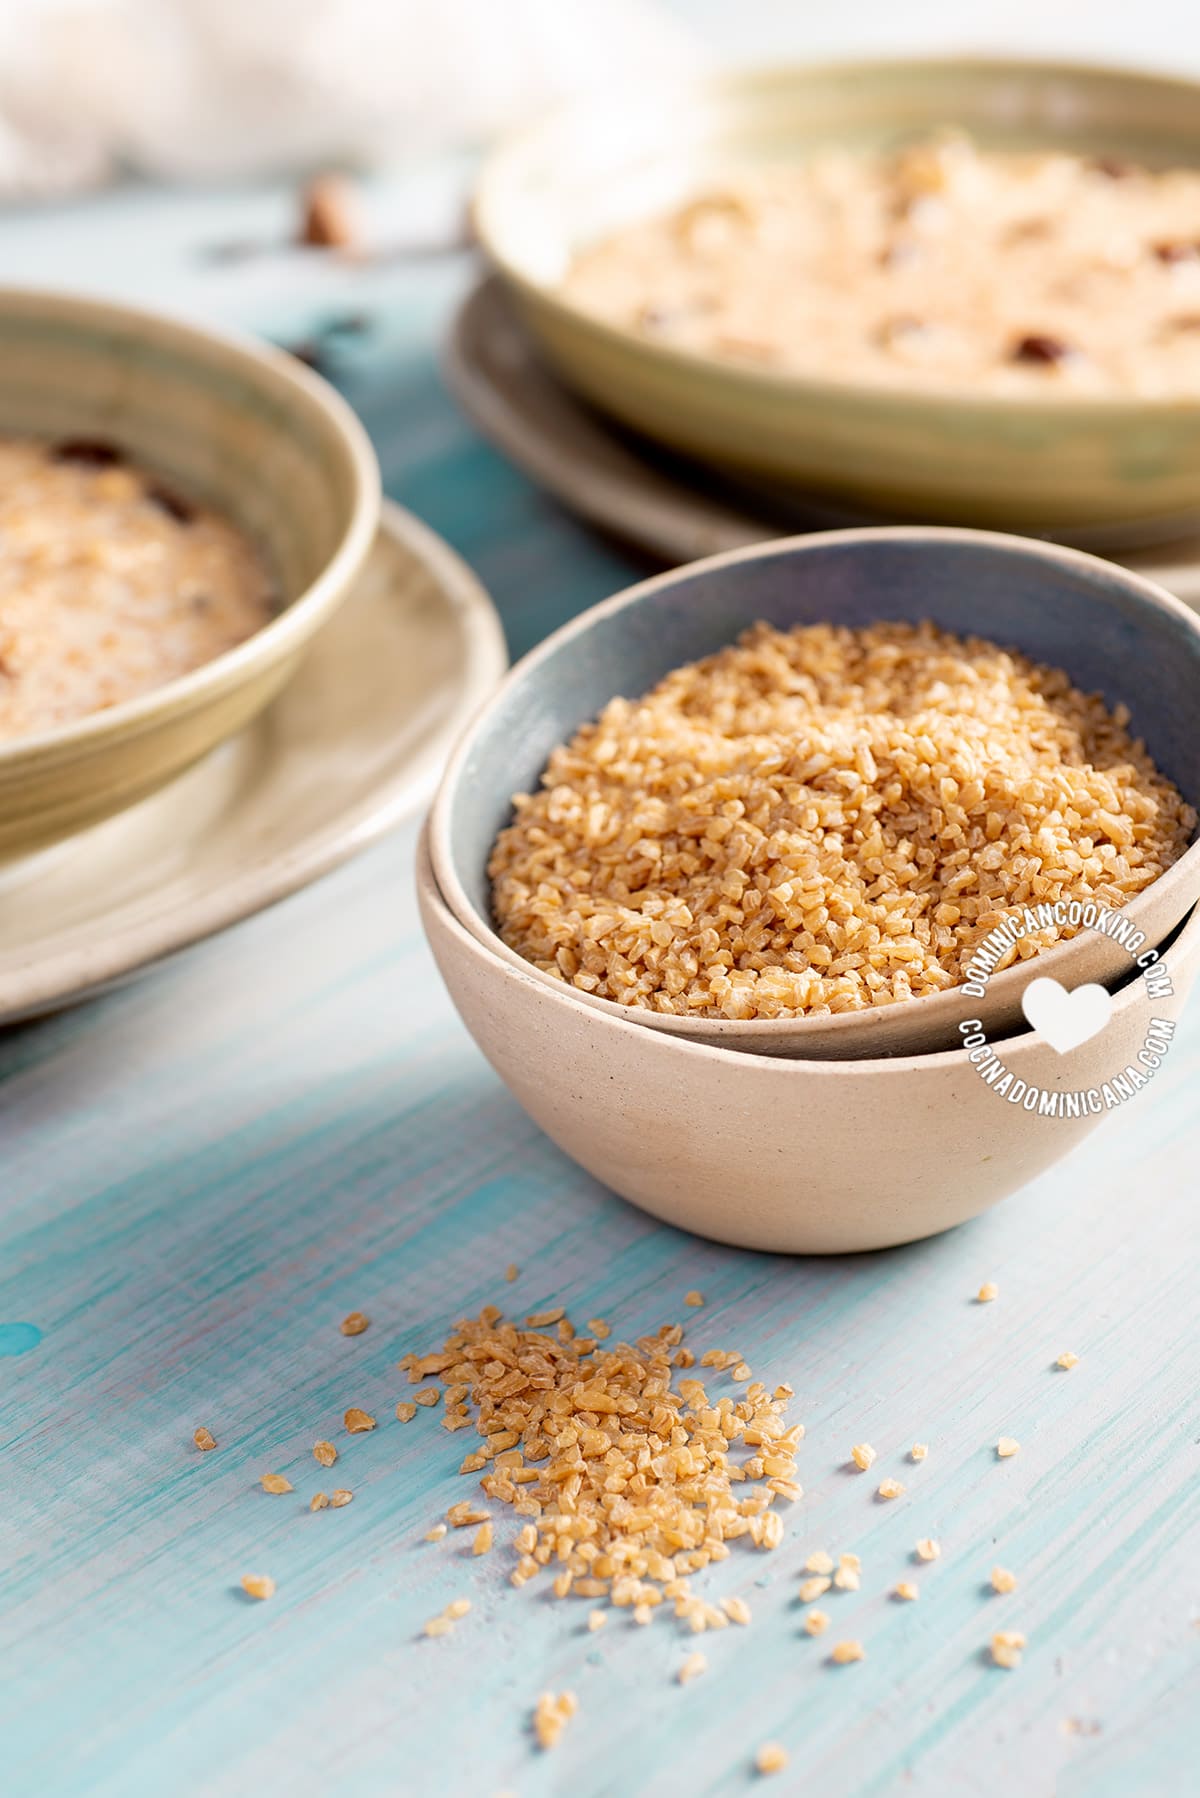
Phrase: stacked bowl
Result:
[826,1132]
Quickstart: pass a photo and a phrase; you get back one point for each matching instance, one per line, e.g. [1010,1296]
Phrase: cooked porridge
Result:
[825,819]
[940,264]
[111,583]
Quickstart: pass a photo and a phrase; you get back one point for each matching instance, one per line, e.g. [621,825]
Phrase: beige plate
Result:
[353,743]
[675,508]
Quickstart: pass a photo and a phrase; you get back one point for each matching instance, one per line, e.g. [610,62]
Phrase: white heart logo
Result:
[1066,1019]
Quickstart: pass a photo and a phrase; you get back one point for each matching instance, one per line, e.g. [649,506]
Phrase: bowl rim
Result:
[502,166]
[289,628]
[1186,938]
[460,904]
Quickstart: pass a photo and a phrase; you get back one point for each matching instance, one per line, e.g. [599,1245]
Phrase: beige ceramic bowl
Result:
[245,429]
[1113,631]
[794,1156]
[1011,462]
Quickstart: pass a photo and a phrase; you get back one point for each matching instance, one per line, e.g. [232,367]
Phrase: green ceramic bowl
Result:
[1010,462]
[245,429]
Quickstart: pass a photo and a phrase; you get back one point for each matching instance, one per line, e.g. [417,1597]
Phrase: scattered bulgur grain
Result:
[439,1626]
[538,1320]
[341,1497]
[436,1533]
[355,1323]
[204,1439]
[736,1609]
[325,1453]
[844,1652]
[356,1421]
[511,1272]
[1007,1445]
[318,1502]
[428,1396]
[551,1716]
[890,1488]
[819,1562]
[816,1622]
[694,1298]
[692,1667]
[405,1412]
[1067,1361]
[772,1757]
[740,1372]
[813,1588]
[458,1607]
[596,1620]
[918,1451]
[1003,1580]
[862,1454]
[258,1585]
[928,1549]
[850,1561]
[847,1579]
[907,1590]
[473,1463]
[1007,1646]
[987,1292]
[783,1390]
[483,1539]
[642,1613]
[275,1482]
[599,1328]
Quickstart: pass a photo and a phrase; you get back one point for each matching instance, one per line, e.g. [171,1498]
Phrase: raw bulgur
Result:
[823,820]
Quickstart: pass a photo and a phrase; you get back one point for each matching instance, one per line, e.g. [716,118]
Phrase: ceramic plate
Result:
[674,508]
[355,742]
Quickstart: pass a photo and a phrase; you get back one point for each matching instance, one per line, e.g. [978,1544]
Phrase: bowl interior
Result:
[616,158]
[228,425]
[1111,631]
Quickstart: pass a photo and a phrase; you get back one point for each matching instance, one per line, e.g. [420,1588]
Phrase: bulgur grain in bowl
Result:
[775,799]
[181,514]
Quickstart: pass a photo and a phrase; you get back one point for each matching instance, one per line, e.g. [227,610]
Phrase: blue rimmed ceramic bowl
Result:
[244,429]
[1112,631]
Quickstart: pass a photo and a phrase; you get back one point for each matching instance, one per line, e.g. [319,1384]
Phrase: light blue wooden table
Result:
[200,1175]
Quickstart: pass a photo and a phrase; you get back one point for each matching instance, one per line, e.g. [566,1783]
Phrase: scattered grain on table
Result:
[340,1497]
[551,1716]
[842,1653]
[692,1667]
[355,1323]
[1067,1361]
[258,1585]
[1003,1580]
[1007,1447]
[204,1439]
[907,1590]
[918,1451]
[928,1549]
[405,1411]
[325,1453]
[890,1488]
[357,1420]
[1007,1647]
[816,1622]
[862,1454]
[275,1482]
[772,1757]
[987,1292]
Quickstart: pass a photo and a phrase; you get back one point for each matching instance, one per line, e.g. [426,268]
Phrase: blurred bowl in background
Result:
[242,428]
[1010,461]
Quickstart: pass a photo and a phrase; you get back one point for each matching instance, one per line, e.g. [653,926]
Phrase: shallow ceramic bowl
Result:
[1013,462]
[243,428]
[1113,632]
[800,1157]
